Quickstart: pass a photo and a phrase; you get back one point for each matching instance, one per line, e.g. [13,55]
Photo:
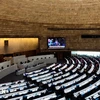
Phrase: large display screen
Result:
[56,43]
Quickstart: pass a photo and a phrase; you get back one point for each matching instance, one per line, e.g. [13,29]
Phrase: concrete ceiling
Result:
[51,11]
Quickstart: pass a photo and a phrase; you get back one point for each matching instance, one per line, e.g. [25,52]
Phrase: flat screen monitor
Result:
[56,43]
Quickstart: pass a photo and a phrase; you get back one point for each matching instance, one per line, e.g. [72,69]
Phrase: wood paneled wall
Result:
[72,33]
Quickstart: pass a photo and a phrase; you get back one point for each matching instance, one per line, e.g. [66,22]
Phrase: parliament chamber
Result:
[49,50]
[45,78]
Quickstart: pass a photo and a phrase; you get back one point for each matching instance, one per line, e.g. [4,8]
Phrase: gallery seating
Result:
[34,63]
[39,57]
[16,58]
[6,68]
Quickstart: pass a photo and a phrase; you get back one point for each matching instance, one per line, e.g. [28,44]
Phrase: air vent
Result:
[90,36]
[59,29]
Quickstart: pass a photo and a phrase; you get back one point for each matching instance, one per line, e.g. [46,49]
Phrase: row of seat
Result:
[76,79]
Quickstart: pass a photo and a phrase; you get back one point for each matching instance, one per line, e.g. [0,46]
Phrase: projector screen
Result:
[56,43]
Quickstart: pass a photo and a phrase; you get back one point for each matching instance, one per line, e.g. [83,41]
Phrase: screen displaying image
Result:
[56,43]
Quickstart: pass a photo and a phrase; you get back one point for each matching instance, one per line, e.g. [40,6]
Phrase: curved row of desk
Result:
[76,79]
